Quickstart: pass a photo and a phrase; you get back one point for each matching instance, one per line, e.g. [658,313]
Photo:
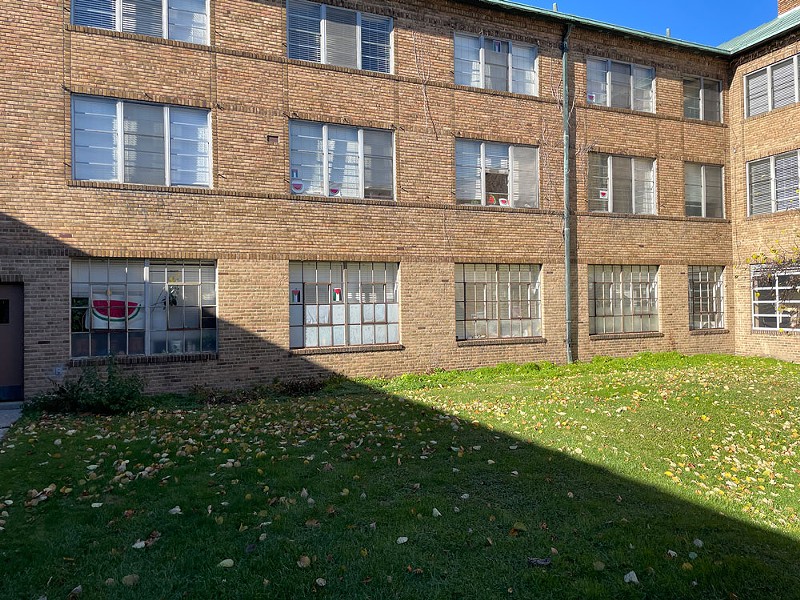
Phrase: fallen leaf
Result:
[130,580]
[304,562]
[402,540]
[226,564]
[599,565]
[436,512]
[175,511]
[631,578]
[320,582]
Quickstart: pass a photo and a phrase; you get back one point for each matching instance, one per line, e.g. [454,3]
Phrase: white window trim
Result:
[511,179]
[703,96]
[608,62]
[770,93]
[510,62]
[704,186]
[164,21]
[755,272]
[773,182]
[610,165]
[120,147]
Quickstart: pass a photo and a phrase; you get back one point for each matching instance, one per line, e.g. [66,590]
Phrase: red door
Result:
[11,338]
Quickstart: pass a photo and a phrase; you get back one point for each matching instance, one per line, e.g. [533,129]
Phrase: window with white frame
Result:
[621,184]
[494,64]
[337,160]
[773,86]
[497,301]
[492,174]
[773,183]
[776,297]
[338,36]
[702,185]
[623,299]
[136,307]
[343,304]
[183,20]
[619,84]
[706,297]
[702,98]
[132,142]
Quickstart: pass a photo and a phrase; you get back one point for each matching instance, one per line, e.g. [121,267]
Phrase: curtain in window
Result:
[340,37]
[783,76]
[760,186]
[786,181]
[714,200]
[757,93]
[525,177]
[643,187]
[142,16]
[190,157]
[303,30]
[468,172]
[622,184]
[95,13]
[94,139]
[599,194]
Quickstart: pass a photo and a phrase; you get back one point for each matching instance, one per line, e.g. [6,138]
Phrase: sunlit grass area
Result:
[657,476]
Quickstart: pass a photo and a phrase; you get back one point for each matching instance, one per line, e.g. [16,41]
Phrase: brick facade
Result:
[250,224]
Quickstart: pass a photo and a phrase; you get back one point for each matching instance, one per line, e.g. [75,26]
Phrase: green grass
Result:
[602,467]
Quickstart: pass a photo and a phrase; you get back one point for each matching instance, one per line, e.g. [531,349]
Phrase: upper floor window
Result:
[623,298]
[621,184]
[773,183]
[132,142]
[493,64]
[706,297]
[702,186]
[493,174]
[338,36]
[336,160]
[183,20]
[772,87]
[623,85]
[702,98]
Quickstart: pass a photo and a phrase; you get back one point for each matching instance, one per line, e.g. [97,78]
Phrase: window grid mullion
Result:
[702,101]
[323,34]
[770,95]
[120,141]
[361,181]
[165,18]
[773,184]
[358,39]
[511,182]
[345,291]
[326,187]
[510,65]
[117,15]
[703,189]
[483,174]
[610,168]
[167,149]
[482,67]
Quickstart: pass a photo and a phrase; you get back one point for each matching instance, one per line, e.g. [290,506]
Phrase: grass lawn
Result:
[683,470]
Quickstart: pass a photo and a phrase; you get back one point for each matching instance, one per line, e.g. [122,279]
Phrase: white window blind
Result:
[632,184]
[618,84]
[787,184]
[774,183]
[338,36]
[757,93]
[760,186]
[133,142]
[494,64]
[783,83]
[703,190]
[183,20]
[492,174]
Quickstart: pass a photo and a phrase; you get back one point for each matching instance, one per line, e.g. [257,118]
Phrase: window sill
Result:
[140,187]
[144,359]
[776,214]
[704,122]
[340,200]
[500,341]
[624,111]
[776,332]
[596,337]
[708,331]
[656,217]
[136,36]
[347,349]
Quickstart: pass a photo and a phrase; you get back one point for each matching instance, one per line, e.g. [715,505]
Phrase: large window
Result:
[343,304]
[621,184]
[497,301]
[706,297]
[772,87]
[776,298]
[702,98]
[623,299]
[335,160]
[623,85]
[183,20]
[337,36]
[773,183]
[133,142]
[493,174]
[493,64]
[702,187]
[142,307]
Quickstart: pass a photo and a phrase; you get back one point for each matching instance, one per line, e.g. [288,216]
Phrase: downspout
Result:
[567,225]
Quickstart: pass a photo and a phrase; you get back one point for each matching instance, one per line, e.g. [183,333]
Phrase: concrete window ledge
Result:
[708,331]
[347,349]
[501,342]
[596,337]
[154,359]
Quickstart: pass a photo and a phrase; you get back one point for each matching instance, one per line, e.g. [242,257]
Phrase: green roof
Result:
[774,28]
[783,24]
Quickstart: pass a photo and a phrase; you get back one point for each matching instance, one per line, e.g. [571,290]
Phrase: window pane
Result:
[783,82]
[495,58]
[303,30]
[376,43]
[523,65]
[306,158]
[760,174]
[378,164]
[643,88]
[757,94]
[188,21]
[693,189]
[525,174]
[95,13]
[190,156]
[496,173]
[467,60]
[787,182]
[340,37]
[343,170]
[468,172]
[712,108]
[143,127]
[142,16]
[599,197]
[620,80]
[714,200]
[644,187]
[94,139]
[596,73]
[691,97]
[622,190]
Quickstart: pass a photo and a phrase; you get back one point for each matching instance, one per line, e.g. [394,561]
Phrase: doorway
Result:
[11,341]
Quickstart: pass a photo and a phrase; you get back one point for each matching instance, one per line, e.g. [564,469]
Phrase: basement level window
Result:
[776,298]
[183,20]
[623,299]
[706,297]
[618,84]
[495,64]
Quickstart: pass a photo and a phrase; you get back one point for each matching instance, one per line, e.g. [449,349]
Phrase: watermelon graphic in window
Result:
[113,311]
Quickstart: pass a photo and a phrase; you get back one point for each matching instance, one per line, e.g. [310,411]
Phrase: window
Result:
[623,299]
[132,142]
[702,186]
[497,301]
[776,298]
[774,183]
[142,307]
[702,98]
[706,297]
[343,304]
[183,20]
[623,85]
[492,174]
[335,160]
[620,184]
[772,87]
[337,36]
[494,64]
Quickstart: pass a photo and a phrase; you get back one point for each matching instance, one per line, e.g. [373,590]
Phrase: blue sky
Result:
[709,22]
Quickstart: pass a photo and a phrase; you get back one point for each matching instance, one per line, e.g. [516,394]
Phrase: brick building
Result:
[222,192]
